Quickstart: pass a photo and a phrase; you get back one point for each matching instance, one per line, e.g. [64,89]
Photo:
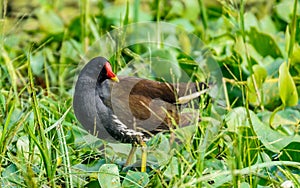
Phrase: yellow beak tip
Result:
[115,79]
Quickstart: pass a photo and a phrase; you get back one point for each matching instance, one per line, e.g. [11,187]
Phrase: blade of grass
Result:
[203,16]
[64,149]
[12,73]
[46,77]
[84,18]
[3,8]
[3,137]
[292,31]
[41,140]
[126,17]
[247,170]
[136,10]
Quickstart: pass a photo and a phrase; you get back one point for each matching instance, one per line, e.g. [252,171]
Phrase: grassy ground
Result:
[249,137]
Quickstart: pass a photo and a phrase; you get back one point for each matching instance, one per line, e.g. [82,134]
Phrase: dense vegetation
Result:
[249,133]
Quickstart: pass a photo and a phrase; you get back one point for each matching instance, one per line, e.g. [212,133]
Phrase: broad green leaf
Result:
[284,10]
[260,75]
[264,43]
[37,63]
[191,10]
[250,21]
[70,51]
[126,17]
[176,8]
[93,167]
[50,21]
[23,149]
[164,64]
[271,139]
[184,24]
[295,59]
[271,95]
[172,169]
[291,152]
[158,150]
[8,175]
[246,51]
[237,122]
[284,120]
[118,11]
[273,66]
[135,179]
[236,118]
[267,25]
[287,88]
[244,185]
[109,176]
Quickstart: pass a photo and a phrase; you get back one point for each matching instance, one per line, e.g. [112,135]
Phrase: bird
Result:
[130,109]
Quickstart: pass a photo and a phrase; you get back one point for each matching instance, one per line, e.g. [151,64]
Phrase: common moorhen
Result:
[129,109]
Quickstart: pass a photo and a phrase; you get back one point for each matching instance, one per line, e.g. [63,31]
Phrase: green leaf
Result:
[267,25]
[158,149]
[250,21]
[295,58]
[284,120]
[184,24]
[37,63]
[172,169]
[135,179]
[236,118]
[50,21]
[245,185]
[271,139]
[8,175]
[287,88]
[291,152]
[126,18]
[260,75]
[93,167]
[164,64]
[109,176]
[271,95]
[284,10]
[264,43]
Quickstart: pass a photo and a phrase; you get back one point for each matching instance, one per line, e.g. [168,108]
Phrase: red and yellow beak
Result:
[109,72]
[115,79]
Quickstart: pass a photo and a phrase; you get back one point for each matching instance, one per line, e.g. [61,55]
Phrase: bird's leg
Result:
[133,147]
[144,156]
[131,154]
[172,138]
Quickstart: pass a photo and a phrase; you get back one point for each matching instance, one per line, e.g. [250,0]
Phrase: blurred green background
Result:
[249,139]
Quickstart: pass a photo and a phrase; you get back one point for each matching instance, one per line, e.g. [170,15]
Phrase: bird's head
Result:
[106,71]
[109,73]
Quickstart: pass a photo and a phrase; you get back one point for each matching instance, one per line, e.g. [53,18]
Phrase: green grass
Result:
[249,137]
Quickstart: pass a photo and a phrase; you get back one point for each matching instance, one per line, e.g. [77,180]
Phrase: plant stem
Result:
[1,9]
[136,10]
[84,7]
[203,16]
[42,143]
[293,32]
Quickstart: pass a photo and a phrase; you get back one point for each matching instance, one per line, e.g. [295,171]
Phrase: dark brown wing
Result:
[147,105]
